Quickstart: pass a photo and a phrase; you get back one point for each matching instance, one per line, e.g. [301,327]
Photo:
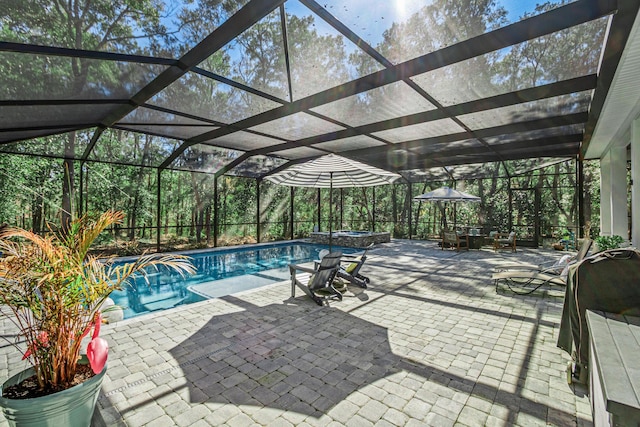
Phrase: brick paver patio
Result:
[430,343]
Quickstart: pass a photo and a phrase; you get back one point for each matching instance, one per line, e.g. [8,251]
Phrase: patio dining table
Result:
[476,241]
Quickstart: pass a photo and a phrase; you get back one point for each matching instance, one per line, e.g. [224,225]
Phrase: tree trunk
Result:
[36,214]
[179,213]
[416,214]
[199,225]
[394,209]
[167,207]
[68,178]
[365,207]
[133,218]
[198,210]
[192,229]
[208,224]
[482,217]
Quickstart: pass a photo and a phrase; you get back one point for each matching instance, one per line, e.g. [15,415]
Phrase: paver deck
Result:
[429,343]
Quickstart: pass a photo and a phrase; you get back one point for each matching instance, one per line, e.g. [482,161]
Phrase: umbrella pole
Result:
[455,213]
[330,206]
[443,216]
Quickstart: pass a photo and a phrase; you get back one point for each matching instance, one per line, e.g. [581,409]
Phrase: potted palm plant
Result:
[52,289]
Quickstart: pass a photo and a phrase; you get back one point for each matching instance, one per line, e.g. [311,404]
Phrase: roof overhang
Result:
[622,103]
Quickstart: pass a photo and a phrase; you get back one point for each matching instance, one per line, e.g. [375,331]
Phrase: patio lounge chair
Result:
[524,279]
[505,241]
[350,270]
[555,267]
[317,282]
[523,282]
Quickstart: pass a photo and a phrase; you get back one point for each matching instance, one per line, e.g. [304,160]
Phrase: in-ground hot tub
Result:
[351,239]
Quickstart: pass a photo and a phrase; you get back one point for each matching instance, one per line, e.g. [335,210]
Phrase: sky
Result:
[369,19]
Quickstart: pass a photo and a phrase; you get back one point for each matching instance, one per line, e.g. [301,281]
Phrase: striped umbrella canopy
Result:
[332,171]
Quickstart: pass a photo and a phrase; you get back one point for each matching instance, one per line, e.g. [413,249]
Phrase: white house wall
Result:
[619,205]
[617,128]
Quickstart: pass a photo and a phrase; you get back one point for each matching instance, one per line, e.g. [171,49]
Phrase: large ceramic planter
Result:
[69,408]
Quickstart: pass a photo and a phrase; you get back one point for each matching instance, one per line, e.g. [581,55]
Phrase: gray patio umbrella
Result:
[332,171]
[446,194]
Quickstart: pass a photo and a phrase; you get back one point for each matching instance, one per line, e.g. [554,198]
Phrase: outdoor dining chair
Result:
[505,241]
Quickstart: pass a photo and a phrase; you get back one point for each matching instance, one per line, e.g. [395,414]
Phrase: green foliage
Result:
[187,201]
[318,62]
[608,242]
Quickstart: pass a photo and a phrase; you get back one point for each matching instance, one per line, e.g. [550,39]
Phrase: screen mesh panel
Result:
[256,166]
[15,136]
[421,130]
[404,30]
[543,108]
[319,55]
[535,134]
[39,77]
[204,158]
[428,174]
[149,116]
[457,145]
[57,116]
[69,144]
[132,148]
[162,28]
[207,98]
[484,76]
[474,170]
[299,153]
[350,143]
[244,141]
[387,102]
[176,132]
[297,126]
[255,58]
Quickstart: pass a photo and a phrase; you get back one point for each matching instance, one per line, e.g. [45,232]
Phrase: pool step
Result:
[163,304]
[218,288]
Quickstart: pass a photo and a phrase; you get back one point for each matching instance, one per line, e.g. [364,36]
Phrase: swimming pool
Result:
[219,272]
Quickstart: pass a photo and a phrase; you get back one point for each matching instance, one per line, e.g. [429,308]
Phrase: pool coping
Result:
[218,249]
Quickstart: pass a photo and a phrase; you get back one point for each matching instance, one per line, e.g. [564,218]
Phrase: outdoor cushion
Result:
[351,272]
[351,267]
[560,265]
[504,241]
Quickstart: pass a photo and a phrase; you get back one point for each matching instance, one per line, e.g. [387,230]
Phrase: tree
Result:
[317,62]
[81,24]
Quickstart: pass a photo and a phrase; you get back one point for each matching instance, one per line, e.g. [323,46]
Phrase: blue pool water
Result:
[219,273]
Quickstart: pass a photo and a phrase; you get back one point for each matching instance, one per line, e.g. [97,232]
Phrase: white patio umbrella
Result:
[332,171]
[446,194]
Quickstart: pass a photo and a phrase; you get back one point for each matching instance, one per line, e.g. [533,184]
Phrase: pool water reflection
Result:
[219,272]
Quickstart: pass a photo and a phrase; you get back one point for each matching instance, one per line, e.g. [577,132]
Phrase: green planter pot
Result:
[69,408]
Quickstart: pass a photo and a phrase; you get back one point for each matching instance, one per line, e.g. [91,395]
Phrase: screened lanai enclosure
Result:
[175,111]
